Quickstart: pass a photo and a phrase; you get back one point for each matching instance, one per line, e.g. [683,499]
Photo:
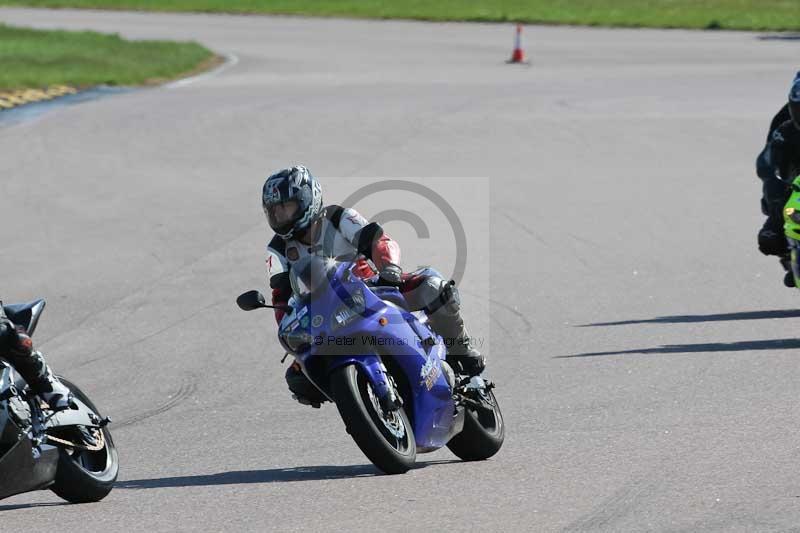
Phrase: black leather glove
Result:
[771,242]
[391,276]
[5,325]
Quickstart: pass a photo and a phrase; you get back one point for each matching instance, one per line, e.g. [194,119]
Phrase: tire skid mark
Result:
[528,230]
[151,285]
[520,315]
[186,390]
[140,340]
[497,322]
[612,510]
[531,232]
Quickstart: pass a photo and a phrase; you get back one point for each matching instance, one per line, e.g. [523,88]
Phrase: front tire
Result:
[385,437]
[483,434]
[85,476]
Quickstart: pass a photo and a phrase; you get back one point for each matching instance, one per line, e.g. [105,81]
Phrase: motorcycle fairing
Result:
[22,468]
[25,314]
[420,356]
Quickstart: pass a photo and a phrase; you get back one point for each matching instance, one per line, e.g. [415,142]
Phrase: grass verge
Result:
[718,14]
[34,58]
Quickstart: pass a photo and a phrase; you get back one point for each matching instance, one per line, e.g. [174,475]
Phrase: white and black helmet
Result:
[292,200]
[794,101]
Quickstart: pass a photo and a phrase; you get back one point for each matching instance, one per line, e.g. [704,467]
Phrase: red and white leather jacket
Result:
[345,235]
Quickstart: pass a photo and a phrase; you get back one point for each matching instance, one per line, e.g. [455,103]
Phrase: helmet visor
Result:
[282,216]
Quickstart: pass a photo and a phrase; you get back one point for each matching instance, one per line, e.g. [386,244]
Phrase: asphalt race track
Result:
[645,352]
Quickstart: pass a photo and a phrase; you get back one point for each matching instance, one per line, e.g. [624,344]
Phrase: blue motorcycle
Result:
[383,367]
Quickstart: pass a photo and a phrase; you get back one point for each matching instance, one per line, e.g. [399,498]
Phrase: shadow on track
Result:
[780,37]
[275,475]
[13,507]
[742,346]
[723,317]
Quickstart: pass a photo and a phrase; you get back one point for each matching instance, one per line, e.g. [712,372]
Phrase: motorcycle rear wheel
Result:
[386,438]
[85,476]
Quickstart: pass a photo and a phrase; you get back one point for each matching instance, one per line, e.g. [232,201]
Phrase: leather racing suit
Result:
[347,236]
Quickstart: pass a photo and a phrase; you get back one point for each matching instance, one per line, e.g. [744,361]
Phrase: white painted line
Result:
[230,61]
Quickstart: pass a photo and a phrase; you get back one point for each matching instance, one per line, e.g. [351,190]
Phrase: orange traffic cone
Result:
[518,55]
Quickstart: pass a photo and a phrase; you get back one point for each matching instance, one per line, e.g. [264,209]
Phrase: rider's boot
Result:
[51,390]
[788,277]
[772,241]
[461,354]
[34,370]
[301,387]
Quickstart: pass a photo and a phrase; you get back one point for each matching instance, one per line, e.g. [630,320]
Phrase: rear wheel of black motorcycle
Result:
[85,476]
[483,433]
[385,437]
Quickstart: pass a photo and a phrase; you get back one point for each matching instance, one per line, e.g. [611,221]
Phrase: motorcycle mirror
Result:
[251,300]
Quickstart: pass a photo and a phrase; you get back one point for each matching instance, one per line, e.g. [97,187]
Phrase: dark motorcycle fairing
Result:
[25,469]
[25,315]
[22,468]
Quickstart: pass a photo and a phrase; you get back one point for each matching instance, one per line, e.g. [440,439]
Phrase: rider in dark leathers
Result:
[17,348]
[292,202]
[777,165]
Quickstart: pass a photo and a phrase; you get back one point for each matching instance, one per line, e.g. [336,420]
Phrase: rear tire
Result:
[386,438]
[85,476]
[483,433]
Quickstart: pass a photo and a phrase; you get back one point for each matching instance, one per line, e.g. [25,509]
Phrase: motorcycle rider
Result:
[777,165]
[17,348]
[292,202]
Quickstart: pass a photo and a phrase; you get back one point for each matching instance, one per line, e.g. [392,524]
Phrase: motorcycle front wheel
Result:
[385,436]
[85,476]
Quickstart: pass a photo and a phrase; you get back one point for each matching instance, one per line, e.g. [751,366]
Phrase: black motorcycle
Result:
[71,451]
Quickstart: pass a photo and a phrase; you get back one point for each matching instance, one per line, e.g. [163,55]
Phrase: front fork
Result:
[383,384]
